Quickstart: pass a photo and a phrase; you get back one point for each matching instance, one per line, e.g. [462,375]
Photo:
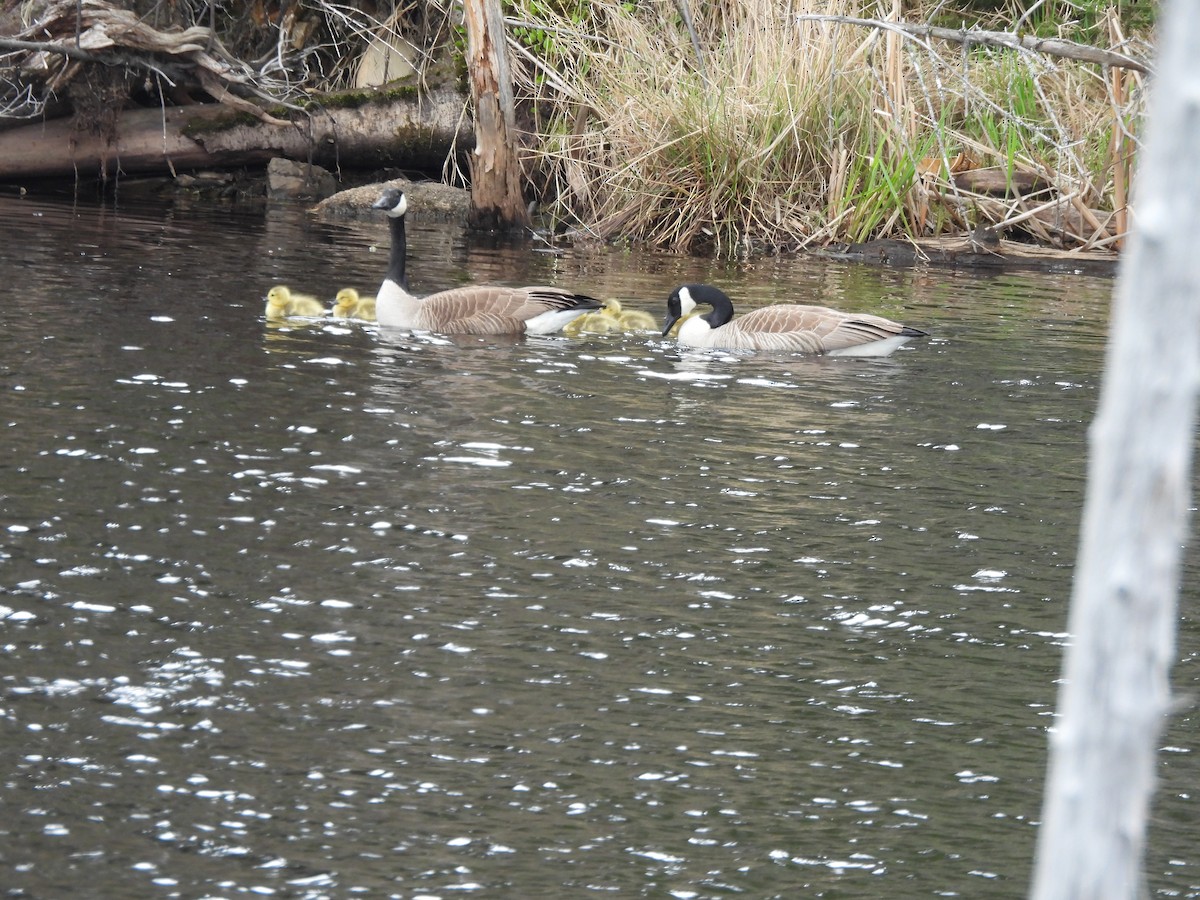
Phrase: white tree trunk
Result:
[1115,693]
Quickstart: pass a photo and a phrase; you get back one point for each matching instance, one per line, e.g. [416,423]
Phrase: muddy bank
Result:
[433,201]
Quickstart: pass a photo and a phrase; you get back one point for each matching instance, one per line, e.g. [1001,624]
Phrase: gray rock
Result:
[288,179]
[428,201]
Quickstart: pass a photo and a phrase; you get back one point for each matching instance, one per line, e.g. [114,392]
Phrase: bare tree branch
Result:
[966,36]
[68,50]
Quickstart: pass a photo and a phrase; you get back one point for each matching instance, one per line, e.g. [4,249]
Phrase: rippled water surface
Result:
[316,611]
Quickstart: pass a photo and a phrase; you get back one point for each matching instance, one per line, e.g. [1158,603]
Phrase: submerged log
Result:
[415,132]
[971,254]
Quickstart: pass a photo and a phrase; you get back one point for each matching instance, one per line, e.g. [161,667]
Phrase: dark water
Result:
[313,611]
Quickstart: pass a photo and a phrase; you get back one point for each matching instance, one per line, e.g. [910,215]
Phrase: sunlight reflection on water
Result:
[315,609]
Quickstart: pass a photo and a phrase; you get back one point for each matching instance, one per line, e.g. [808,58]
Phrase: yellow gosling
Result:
[611,318]
[637,320]
[281,303]
[344,303]
[349,305]
[591,323]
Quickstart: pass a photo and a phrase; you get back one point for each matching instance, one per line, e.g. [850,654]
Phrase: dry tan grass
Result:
[784,130]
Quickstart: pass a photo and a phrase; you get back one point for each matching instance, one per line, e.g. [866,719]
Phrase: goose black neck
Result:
[722,306]
[395,270]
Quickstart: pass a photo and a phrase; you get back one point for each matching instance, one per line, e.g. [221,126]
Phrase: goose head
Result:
[686,297]
[393,202]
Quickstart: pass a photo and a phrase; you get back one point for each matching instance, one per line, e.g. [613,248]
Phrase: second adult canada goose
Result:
[281,302]
[801,329]
[475,309]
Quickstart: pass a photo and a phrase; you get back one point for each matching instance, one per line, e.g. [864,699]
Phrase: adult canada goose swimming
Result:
[349,305]
[802,329]
[281,302]
[475,309]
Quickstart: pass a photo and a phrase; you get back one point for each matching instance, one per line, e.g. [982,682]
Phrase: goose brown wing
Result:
[855,330]
[494,309]
[543,299]
[784,317]
[810,329]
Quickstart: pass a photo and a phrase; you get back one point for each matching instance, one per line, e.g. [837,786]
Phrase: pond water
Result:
[316,611]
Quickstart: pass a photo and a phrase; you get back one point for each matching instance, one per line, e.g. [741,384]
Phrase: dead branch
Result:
[68,50]
[967,36]
[96,32]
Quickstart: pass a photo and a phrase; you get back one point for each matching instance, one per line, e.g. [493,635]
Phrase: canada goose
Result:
[475,309]
[805,329]
[281,302]
[349,305]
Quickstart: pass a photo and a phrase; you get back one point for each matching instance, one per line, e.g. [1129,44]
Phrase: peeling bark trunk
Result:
[413,133]
[496,198]
[1115,693]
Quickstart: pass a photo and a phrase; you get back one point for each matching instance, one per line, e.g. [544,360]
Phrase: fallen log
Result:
[970,254]
[389,131]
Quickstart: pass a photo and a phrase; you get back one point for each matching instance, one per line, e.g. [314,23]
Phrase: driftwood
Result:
[207,135]
[133,90]
[996,181]
[972,254]
[69,36]
[1049,46]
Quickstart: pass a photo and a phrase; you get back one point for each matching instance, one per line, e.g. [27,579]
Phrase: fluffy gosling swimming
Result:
[349,305]
[281,303]
[636,320]
[612,318]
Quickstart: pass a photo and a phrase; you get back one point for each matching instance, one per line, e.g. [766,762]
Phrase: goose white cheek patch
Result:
[686,303]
